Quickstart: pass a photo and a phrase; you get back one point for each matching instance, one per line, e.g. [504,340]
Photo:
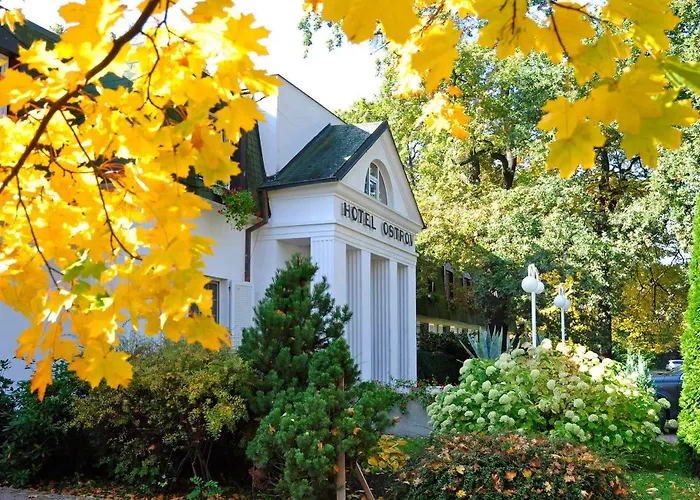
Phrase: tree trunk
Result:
[474,169]
[509,163]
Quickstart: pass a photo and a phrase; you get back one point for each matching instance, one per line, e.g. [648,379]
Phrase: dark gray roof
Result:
[23,36]
[329,156]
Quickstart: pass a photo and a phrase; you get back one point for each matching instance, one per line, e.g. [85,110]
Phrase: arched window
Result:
[374,184]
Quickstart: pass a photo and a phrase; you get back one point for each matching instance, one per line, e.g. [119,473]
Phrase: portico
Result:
[344,200]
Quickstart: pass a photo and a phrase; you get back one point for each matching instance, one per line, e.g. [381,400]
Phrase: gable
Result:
[399,193]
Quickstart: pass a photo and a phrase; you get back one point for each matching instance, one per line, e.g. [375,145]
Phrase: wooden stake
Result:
[363,482]
[340,476]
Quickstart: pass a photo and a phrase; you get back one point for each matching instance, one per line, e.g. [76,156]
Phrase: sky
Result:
[336,79]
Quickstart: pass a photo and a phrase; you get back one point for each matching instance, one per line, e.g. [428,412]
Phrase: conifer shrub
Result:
[567,392]
[182,412]
[39,441]
[689,417]
[307,395]
[490,467]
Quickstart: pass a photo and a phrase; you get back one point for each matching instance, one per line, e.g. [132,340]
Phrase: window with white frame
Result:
[374,184]
[215,287]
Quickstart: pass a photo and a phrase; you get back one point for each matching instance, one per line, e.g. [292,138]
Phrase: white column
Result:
[393,320]
[353,332]
[330,256]
[411,312]
[365,315]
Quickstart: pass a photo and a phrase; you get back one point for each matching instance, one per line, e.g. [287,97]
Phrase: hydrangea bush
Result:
[565,392]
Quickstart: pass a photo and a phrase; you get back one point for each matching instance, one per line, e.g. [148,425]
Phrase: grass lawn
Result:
[669,479]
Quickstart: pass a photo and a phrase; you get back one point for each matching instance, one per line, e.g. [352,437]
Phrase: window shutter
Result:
[242,310]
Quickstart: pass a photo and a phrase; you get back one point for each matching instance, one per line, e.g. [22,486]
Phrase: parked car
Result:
[674,363]
[668,385]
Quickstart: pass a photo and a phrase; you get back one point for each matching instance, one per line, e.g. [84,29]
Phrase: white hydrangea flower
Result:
[492,415]
[534,373]
[474,383]
[468,401]
[461,392]
[469,414]
[580,350]
[672,424]
[546,344]
[569,414]
[448,399]
[478,398]
[448,387]
[522,412]
[593,417]
[490,370]
[606,439]
[612,427]
[486,386]
[504,399]
[664,403]
[504,357]
[551,384]
[518,352]
[604,416]
[504,419]
[493,394]
[629,433]
[575,419]
[480,421]
[578,403]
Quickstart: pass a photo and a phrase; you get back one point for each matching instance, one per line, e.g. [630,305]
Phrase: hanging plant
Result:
[239,205]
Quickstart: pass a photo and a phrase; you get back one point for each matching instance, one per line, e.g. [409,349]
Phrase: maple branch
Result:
[31,229]
[92,164]
[556,31]
[119,43]
[150,74]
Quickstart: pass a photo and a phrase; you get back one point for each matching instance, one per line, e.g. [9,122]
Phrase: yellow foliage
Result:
[96,232]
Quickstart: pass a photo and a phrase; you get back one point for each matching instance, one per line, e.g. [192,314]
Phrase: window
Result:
[374,184]
[214,286]
[450,284]
[3,68]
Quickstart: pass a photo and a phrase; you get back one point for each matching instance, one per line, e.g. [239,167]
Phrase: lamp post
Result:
[531,284]
[563,304]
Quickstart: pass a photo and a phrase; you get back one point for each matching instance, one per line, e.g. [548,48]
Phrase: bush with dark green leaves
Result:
[39,441]
[689,418]
[308,395]
[182,408]
[515,466]
[6,404]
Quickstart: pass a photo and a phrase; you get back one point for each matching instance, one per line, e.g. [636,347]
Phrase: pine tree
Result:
[308,397]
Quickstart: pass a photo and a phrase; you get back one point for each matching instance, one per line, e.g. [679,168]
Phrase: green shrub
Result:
[6,404]
[567,392]
[39,440]
[183,406]
[308,395]
[509,466]
[689,418]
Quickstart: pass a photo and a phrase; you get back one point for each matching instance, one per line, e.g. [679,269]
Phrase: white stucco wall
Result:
[11,326]
[292,119]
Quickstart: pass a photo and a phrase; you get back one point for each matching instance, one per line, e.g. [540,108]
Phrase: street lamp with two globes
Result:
[531,284]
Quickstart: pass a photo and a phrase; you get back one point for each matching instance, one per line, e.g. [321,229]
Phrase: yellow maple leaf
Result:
[440,114]
[10,17]
[435,53]
[527,473]
[632,99]
[567,154]
[508,28]
[462,7]
[649,21]
[600,57]
[42,377]
[562,115]
[660,130]
[240,114]
[359,18]
[98,363]
[564,35]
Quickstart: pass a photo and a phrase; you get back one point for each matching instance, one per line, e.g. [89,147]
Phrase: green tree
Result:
[309,398]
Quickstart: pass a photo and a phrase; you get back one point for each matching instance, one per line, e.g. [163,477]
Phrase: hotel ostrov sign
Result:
[367,219]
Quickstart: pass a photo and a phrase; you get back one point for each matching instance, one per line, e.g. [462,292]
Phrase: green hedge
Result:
[689,418]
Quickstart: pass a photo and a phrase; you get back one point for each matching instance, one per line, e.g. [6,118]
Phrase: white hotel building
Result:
[331,190]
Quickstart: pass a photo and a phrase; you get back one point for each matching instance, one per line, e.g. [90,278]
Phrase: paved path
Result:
[13,494]
[669,438]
